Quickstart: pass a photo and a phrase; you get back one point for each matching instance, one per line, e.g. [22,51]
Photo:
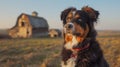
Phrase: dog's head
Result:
[77,25]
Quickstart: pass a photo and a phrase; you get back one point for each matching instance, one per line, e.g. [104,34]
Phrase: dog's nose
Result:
[69,26]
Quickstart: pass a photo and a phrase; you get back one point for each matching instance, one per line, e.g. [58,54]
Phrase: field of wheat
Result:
[45,52]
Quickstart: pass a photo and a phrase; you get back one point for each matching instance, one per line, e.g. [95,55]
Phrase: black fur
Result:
[92,56]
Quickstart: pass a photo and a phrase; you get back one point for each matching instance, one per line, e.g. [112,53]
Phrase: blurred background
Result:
[29,30]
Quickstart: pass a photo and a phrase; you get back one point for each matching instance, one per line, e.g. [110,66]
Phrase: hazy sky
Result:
[51,10]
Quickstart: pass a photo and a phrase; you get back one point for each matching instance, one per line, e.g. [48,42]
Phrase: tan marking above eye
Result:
[69,17]
[77,16]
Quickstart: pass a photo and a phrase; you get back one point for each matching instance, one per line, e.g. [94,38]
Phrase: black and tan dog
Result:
[80,47]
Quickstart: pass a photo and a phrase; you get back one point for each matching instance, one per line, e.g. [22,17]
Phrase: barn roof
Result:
[37,22]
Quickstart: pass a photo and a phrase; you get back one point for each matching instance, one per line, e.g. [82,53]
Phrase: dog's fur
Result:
[80,47]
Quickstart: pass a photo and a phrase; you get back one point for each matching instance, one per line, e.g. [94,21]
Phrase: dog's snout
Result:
[70,26]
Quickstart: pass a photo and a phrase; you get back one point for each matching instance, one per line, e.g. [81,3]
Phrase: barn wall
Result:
[13,32]
[35,30]
[38,32]
[25,29]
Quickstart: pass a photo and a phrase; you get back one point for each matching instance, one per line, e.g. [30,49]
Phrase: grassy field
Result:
[45,52]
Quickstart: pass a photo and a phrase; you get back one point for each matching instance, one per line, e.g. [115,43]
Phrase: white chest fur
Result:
[69,45]
[70,62]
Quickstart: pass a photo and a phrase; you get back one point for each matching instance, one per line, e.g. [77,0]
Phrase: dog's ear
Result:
[65,13]
[93,14]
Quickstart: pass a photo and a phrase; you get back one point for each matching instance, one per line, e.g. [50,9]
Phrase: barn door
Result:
[28,31]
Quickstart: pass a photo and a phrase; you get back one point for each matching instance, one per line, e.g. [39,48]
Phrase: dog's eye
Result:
[79,20]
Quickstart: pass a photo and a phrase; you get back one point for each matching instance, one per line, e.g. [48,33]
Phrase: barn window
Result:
[22,24]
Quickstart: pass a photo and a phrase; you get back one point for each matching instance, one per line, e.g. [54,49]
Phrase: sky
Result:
[51,10]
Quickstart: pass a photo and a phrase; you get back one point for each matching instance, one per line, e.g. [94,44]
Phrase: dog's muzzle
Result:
[69,28]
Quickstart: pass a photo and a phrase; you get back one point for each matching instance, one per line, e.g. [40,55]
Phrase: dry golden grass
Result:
[45,52]
[111,50]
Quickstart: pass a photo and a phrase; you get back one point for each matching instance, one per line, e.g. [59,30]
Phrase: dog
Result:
[81,48]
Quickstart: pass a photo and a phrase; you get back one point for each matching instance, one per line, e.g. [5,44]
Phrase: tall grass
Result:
[28,52]
[45,52]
